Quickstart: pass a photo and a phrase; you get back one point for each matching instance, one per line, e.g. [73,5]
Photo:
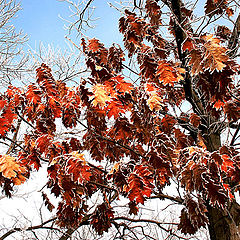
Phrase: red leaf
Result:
[93,45]
[114,109]
[77,168]
[139,184]
[188,45]
[123,86]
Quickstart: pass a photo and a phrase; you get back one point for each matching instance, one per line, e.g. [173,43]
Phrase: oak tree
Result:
[175,123]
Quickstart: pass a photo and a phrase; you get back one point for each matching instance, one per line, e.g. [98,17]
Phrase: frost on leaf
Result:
[154,102]
[100,96]
[169,74]
[195,62]
[217,7]
[139,184]
[77,168]
[193,217]
[11,169]
[215,56]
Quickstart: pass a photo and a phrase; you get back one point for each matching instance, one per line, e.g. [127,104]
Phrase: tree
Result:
[12,58]
[176,123]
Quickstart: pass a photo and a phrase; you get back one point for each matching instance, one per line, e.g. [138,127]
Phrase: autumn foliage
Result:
[132,141]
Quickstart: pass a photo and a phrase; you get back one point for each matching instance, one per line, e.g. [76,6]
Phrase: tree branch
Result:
[12,145]
[81,15]
[41,226]
[70,231]
[113,141]
[233,42]
[159,224]
[161,196]
[235,135]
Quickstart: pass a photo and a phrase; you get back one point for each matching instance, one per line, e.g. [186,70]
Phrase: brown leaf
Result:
[195,119]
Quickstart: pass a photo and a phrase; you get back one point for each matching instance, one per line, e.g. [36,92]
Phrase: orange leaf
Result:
[115,108]
[154,102]
[100,96]
[215,55]
[2,103]
[195,62]
[93,45]
[78,168]
[168,74]
[9,167]
[122,85]
[227,162]
[218,104]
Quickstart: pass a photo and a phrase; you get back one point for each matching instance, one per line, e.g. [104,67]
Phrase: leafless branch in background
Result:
[67,65]
[12,58]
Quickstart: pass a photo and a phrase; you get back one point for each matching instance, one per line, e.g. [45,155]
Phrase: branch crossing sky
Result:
[40,20]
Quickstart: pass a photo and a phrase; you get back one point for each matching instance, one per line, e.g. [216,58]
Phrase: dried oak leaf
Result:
[115,108]
[47,202]
[215,56]
[232,110]
[133,209]
[77,168]
[43,142]
[33,94]
[100,96]
[223,32]
[196,62]
[139,184]
[216,7]
[154,12]
[154,102]
[122,86]
[195,119]
[216,193]
[6,119]
[188,45]
[185,224]
[101,218]
[11,169]
[70,216]
[168,74]
[168,123]
[94,45]
[182,140]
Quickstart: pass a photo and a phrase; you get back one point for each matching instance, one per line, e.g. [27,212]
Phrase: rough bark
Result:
[223,224]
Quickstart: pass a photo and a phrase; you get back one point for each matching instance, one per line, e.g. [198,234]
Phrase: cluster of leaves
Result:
[131,127]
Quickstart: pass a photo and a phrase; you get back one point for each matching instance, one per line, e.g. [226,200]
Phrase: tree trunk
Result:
[223,224]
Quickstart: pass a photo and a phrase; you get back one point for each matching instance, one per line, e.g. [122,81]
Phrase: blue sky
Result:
[40,20]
